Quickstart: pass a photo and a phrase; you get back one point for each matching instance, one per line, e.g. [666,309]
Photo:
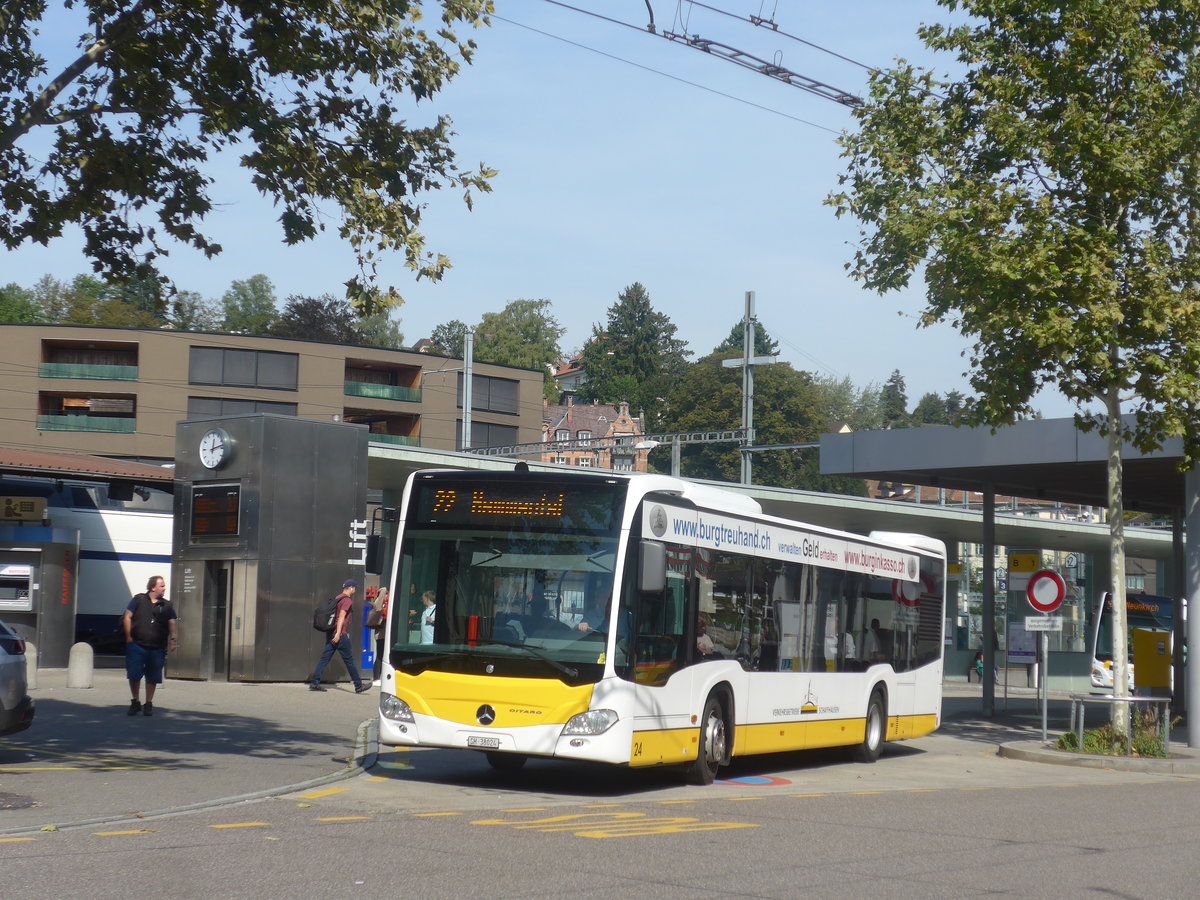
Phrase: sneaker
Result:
[135,707]
[313,686]
[363,687]
[148,709]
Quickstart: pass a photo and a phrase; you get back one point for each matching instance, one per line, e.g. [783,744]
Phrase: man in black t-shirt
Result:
[149,624]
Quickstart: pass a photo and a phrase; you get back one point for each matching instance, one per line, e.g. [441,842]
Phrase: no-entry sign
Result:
[1046,591]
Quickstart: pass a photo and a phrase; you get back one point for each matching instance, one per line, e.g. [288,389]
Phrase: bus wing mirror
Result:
[652,572]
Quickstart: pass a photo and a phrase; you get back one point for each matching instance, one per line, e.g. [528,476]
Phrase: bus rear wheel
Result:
[506,762]
[868,751]
[713,745]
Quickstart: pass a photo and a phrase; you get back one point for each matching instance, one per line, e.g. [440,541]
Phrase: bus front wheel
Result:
[872,744]
[713,744]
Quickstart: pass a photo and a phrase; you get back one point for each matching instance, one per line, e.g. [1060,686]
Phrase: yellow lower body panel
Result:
[515,701]
[669,746]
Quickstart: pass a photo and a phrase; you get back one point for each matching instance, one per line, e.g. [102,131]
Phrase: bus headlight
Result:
[594,721]
[392,707]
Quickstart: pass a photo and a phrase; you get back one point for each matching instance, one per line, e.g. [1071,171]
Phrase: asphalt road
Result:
[253,791]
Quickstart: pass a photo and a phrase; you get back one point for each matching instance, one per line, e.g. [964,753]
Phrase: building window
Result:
[244,368]
[1135,582]
[561,460]
[486,434]
[562,435]
[586,462]
[585,437]
[488,394]
[199,407]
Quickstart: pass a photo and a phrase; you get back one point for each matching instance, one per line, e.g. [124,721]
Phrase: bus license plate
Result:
[488,743]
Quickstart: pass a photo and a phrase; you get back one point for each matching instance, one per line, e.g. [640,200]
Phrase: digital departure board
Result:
[591,508]
[215,509]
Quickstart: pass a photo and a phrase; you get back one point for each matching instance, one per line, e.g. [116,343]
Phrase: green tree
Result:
[17,304]
[859,408]
[117,140]
[523,334]
[87,300]
[380,330]
[635,357]
[930,410]
[191,312]
[250,305]
[449,338]
[894,402]
[1051,196]
[764,344]
[787,410]
[324,318]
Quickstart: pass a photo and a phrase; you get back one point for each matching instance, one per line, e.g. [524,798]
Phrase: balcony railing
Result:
[398,439]
[382,391]
[109,424]
[93,373]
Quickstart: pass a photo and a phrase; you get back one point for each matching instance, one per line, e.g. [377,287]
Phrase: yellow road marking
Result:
[118,833]
[434,815]
[328,792]
[242,825]
[526,809]
[344,819]
[742,799]
[15,840]
[616,824]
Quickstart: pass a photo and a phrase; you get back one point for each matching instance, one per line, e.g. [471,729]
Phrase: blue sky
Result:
[626,157]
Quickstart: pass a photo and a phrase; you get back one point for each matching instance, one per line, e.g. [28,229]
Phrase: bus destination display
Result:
[215,510]
[565,507]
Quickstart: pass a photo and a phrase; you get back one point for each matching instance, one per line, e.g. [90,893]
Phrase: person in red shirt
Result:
[339,640]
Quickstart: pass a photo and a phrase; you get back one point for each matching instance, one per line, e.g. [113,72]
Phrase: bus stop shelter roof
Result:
[54,464]
[1043,459]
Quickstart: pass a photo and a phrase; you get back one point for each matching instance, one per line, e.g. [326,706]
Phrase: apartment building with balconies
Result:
[119,392]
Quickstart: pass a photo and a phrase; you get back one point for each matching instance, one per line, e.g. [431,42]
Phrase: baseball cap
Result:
[349,582]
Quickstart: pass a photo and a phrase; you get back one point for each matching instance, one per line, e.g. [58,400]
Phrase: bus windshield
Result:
[496,575]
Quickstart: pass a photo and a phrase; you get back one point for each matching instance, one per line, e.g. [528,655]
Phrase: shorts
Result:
[144,662]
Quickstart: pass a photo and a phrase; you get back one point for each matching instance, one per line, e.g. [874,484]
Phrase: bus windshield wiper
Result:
[569,671]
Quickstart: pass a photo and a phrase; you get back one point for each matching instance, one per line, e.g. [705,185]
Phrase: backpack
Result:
[325,615]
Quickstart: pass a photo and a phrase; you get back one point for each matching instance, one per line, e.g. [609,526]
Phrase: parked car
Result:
[16,706]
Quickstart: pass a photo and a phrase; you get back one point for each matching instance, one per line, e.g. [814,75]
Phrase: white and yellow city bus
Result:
[642,620]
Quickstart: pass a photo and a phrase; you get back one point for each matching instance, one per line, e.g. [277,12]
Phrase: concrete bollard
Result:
[80,665]
[31,665]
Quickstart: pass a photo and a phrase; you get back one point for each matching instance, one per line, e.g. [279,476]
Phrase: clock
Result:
[216,448]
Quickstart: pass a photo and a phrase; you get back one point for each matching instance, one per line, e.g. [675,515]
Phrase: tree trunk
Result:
[1116,531]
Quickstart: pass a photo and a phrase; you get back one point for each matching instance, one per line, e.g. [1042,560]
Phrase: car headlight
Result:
[594,721]
[392,707]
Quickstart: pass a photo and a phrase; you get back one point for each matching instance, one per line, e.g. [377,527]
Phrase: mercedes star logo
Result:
[485,715]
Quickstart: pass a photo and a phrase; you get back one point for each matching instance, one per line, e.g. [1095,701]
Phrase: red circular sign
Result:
[1046,591]
[906,592]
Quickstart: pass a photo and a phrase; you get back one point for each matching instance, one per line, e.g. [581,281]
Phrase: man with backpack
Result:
[338,638]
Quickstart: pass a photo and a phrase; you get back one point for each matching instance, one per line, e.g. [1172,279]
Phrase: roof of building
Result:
[1045,459]
[18,461]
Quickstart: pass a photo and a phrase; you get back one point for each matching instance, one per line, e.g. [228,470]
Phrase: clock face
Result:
[216,448]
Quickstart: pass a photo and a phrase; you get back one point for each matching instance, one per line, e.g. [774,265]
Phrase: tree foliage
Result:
[449,338]
[634,357]
[250,305]
[17,305]
[1051,194]
[113,135]
[522,334]
[764,344]
[788,410]
[893,401]
[324,318]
